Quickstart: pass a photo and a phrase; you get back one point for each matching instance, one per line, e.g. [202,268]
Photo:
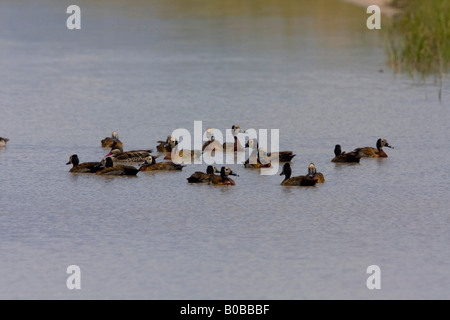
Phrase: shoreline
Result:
[385,6]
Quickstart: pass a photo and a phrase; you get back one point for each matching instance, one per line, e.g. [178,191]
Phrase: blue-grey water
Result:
[309,68]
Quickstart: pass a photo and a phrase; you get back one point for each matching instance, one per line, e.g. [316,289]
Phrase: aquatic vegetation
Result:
[419,39]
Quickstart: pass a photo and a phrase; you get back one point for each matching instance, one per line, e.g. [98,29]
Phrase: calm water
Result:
[309,68]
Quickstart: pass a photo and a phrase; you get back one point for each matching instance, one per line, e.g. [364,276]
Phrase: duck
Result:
[112,142]
[86,167]
[314,174]
[224,178]
[112,169]
[164,146]
[340,156]
[370,152]
[3,141]
[181,153]
[236,145]
[296,181]
[199,177]
[118,155]
[212,143]
[254,160]
[283,156]
[150,164]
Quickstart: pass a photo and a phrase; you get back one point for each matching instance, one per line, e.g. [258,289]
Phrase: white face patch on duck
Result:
[253,144]
[383,143]
[209,134]
[263,157]
[311,170]
[115,136]
[173,142]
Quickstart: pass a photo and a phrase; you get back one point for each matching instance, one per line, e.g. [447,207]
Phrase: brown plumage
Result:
[118,155]
[116,170]
[85,167]
[370,152]
[236,145]
[312,172]
[150,164]
[164,146]
[344,157]
[199,177]
[224,178]
[112,142]
[295,181]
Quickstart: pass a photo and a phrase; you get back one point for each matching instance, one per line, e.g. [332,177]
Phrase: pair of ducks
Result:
[3,141]
[212,178]
[214,145]
[104,167]
[358,153]
[118,155]
[149,162]
[310,179]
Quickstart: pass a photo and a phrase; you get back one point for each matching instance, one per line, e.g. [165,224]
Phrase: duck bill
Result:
[388,146]
[234,174]
[109,154]
[68,163]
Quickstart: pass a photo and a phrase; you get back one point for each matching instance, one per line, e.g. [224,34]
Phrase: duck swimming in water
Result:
[314,174]
[86,167]
[150,164]
[199,177]
[224,178]
[118,155]
[112,142]
[344,157]
[296,181]
[258,159]
[111,169]
[370,152]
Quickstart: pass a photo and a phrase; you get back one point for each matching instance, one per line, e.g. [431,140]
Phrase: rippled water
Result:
[310,69]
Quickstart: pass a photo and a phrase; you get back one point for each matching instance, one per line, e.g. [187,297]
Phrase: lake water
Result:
[310,68]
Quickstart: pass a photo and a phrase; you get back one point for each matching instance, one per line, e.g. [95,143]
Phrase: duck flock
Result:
[129,163]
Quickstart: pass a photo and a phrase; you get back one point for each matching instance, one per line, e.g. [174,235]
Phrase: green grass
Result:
[419,39]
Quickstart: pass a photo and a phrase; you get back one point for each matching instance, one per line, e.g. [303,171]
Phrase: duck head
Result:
[211,170]
[209,134]
[383,143]
[107,162]
[237,129]
[114,152]
[226,171]
[173,142]
[115,136]
[73,160]
[252,143]
[311,170]
[337,150]
[287,171]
